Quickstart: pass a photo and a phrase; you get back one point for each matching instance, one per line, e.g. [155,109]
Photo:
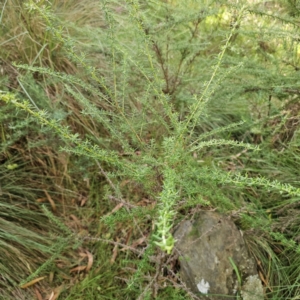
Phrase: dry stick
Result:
[125,247]
[182,285]
[159,267]
[152,282]
[116,190]
[122,201]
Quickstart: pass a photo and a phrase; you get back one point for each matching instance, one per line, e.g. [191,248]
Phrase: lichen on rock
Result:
[252,289]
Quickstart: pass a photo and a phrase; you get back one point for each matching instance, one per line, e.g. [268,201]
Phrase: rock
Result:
[214,260]
[252,289]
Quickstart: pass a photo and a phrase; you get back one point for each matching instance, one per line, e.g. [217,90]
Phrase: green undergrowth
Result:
[120,119]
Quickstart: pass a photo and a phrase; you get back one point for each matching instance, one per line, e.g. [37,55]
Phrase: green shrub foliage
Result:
[180,99]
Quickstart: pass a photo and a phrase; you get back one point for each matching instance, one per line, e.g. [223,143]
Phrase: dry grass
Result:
[33,171]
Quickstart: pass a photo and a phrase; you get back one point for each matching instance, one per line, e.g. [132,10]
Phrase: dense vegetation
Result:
[119,119]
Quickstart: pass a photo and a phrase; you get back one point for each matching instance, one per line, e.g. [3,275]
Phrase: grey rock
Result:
[252,289]
[213,256]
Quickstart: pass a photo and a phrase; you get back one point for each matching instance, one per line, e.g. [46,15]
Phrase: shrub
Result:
[175,84]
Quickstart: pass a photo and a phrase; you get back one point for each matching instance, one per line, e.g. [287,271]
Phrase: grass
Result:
[146,119]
